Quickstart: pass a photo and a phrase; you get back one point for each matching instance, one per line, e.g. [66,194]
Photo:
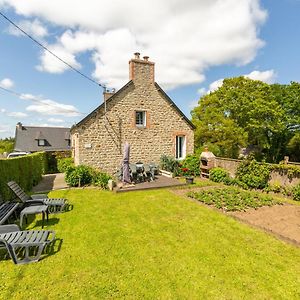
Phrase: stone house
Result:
[140,113]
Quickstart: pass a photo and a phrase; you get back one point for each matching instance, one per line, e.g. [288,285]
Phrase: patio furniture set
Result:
[140,172]
[27,246]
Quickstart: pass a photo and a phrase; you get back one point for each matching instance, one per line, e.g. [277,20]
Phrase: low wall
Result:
[277,177]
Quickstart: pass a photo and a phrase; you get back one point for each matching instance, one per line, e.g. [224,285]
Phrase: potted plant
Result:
[189,179]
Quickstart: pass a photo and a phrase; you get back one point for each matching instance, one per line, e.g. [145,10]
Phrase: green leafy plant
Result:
[169,163]
[192,163]
[296,192]
[79,176]
[101,179]
[232,199]
[64,163]
[218,175]
[253,174]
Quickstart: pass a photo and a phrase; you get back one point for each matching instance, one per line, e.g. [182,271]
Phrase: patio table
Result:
[34,209]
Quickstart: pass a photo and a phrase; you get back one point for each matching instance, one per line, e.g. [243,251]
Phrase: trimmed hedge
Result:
[26,170]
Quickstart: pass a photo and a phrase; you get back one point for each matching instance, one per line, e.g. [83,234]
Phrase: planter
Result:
[167,173]
[189,180]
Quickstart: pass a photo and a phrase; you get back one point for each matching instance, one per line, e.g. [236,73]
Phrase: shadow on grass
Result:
[52,221]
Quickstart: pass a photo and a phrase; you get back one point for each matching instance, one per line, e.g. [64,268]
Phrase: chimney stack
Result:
[19,126]
[108,93]
[141,70]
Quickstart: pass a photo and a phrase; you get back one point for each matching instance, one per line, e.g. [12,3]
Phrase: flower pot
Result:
[189,180]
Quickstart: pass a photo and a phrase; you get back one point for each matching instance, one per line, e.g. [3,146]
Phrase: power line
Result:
[40,101]
[52,53]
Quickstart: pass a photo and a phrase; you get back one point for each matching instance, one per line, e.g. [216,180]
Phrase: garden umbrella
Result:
[126,173]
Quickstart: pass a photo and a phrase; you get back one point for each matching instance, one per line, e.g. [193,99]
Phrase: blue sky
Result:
[195,45]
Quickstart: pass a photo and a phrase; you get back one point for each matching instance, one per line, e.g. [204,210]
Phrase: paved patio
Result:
[51,182]
[159,182]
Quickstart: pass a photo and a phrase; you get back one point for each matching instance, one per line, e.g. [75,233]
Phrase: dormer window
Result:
[41,142]
[140,118]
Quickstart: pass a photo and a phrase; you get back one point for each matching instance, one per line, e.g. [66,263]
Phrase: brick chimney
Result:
[19,126]
[141,70]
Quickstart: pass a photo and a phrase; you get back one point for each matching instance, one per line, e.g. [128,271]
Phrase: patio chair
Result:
[133,172]
[55,205]
[148,172]
[6,210]
[24,246]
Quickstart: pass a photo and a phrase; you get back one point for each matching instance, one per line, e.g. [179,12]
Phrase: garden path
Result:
[51,182]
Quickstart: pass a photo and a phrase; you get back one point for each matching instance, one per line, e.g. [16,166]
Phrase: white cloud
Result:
[54,120]
[17,114]
[50,107]
[201,91]
[34,28]
[6,83]
[2,110]
[268,76]
[44,125]
[184,38]
[4,128]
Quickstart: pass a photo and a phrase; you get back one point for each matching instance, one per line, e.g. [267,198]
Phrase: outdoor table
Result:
[34,209]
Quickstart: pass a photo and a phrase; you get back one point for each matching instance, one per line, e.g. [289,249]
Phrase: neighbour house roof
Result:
[119,92]
[56,138]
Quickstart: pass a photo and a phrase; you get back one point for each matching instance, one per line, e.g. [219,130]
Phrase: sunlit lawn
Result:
[150,245]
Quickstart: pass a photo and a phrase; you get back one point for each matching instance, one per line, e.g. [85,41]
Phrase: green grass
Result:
[153,245]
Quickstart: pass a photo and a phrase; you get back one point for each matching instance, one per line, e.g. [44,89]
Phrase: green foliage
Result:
[192,163]
[79,176]
[101,179]
[296,192]
[218,175]
[253,174]
[245,112]
[286,169]
[232,199]
[64,163]
[26,170]
[169,163]
[54,157]
[7,145]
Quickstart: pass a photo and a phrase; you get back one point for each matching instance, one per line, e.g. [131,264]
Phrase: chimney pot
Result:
[146,58]
[137,55]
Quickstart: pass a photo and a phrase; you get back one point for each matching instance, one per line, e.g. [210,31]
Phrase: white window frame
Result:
[41,142]
[144,118]
[180,147]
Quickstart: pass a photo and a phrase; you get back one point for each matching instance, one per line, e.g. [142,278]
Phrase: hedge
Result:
[26,170]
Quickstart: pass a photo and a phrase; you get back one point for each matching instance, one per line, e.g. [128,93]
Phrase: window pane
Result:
[180,140]
[140,118]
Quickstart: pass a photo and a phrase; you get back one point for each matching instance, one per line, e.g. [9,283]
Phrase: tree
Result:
[240,113]
[7,145]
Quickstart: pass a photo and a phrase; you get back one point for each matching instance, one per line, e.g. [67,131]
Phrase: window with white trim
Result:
[180,147]
[41,142]
[140,118]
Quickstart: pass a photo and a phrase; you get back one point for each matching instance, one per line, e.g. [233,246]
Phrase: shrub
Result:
[296,192]
[192,163]
[169,164]
[101,179]
[218,175]
[26,170]
[64,163]
[253,174]
[79,176]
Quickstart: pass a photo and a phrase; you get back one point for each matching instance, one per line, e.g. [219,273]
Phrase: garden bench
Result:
[33,242]
[56,205]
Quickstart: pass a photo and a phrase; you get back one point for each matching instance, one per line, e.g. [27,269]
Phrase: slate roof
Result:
[122,89]
[27,138]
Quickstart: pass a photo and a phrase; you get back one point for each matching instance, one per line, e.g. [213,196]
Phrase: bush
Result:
[169,163]
[79,176]
[296,192]
[64,163]
[253,174]
[192,163]
[101,179]
[54,157]
[26,170]
[218,175]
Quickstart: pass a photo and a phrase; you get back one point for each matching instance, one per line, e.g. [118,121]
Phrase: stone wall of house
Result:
[100,140]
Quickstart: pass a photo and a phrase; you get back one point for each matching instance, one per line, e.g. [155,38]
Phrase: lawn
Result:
[153,245]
